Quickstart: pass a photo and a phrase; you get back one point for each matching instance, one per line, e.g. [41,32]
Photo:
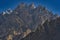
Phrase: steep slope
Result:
[25,19]
[51,31]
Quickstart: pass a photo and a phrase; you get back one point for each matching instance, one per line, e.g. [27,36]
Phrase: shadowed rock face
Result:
[26,19]
[51,31]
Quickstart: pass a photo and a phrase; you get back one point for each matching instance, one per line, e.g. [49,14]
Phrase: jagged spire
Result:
[32,6]
[22,5]
[41,7]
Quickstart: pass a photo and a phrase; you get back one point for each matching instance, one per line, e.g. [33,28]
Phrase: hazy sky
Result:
[53,5]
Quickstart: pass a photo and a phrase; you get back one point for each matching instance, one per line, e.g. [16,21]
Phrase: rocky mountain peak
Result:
[32,5]
[22,5]
[22,21]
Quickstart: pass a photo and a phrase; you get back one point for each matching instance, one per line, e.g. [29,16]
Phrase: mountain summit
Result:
[26,20]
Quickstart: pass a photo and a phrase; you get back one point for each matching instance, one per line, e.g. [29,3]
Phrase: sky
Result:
[51,5]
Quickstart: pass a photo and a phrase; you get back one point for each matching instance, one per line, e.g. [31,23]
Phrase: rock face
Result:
[51,31]
[29,23]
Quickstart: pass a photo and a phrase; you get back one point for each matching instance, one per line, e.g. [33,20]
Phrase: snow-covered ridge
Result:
[7,11]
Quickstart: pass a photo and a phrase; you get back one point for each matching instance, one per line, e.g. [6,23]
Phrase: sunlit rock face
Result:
[28,20]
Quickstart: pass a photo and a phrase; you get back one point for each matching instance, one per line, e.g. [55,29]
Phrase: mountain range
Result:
[28,22]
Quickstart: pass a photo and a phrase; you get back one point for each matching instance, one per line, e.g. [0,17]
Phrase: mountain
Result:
[28,22]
